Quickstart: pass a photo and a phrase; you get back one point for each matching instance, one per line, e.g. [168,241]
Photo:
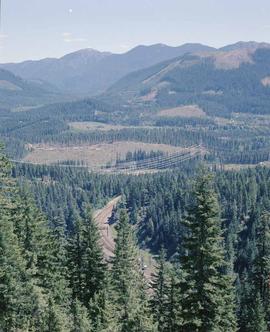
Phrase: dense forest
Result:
[209,233]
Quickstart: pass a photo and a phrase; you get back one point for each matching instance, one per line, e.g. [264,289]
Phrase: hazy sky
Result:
[33,29]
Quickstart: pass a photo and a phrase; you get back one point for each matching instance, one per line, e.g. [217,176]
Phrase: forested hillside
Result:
[220,83]
[19,94]
[54,278]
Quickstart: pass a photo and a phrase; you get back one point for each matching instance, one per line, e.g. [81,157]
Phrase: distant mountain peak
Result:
[90,72]
[249,45]
[85,53]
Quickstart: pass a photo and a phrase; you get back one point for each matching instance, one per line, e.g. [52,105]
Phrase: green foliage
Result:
[53,276]
[208,301]
[159,301]
[130,311]
[86,266]
[34,292]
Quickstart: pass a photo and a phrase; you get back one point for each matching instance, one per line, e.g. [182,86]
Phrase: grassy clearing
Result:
[238,167]
[93,126]
[94,156]
[25,108]
[189,111]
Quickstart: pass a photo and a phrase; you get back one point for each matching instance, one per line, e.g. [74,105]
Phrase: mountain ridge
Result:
[220,83]
[89,72]
[18,92]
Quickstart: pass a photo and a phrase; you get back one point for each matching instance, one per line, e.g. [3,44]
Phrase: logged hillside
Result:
[220,83]
[88,71]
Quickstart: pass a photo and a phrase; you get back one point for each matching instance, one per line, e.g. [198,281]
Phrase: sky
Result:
[35,29]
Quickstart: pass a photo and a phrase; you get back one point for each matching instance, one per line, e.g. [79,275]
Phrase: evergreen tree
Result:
[159,301]
[208,299]
[101,309]
[251,310]
[31,298]
[14,285]
[261,265]
[81,319]
[95,266]
[232,229]
[174,309]
[129,305]
[56,320]
[87,268]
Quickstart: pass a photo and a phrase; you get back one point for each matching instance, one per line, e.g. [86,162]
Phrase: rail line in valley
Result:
[160,163]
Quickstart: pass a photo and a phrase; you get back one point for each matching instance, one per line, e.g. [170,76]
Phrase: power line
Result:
[152,162]
[160,162]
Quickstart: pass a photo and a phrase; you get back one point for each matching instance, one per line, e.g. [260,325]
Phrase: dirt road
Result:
[101,217]
[107,238]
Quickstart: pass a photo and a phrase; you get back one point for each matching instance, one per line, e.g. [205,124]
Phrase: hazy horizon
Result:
[36,29]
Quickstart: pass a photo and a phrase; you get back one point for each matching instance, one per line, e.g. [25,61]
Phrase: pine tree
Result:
[208,298]
[28,286]
[129,305]
[159,301]
[42,252]
[251,311]
[174,309]
[14,286]
[81,319]
[101,309]
[254,305]
[231,240]
[87,268]
[95,266]
[261,264]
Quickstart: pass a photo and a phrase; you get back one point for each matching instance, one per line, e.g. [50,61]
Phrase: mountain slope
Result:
[220,82]
[17,92]
[89,71]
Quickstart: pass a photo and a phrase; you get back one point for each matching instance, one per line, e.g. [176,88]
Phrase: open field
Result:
[189,111]
[25,108]
[99,126]
[93,126]
[238,167]
[94,156]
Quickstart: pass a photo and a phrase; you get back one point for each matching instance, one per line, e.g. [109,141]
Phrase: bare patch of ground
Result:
[107,238]
[150,96]
[93,126]
[238,167]
[266,81]
[224,121]
[189,111]
[108,234]
[233,59]
[213,93]
[25,108]
[177,64]
[94,156]
[6,85]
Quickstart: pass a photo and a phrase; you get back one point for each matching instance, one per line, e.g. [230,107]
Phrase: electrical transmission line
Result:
[157,163]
